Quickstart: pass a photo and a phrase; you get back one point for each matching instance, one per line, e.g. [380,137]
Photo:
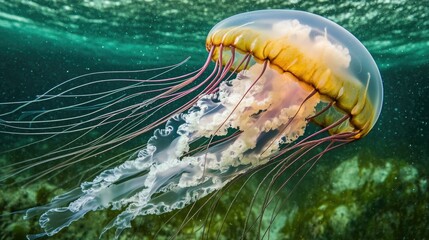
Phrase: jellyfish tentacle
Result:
[301,148]
[41,97]
[282,165]
[332,145]
[269,196]
[171,180]
[323,110]
[77,152]
[313,160]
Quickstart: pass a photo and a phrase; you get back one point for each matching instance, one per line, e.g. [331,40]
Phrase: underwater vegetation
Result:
[361,197]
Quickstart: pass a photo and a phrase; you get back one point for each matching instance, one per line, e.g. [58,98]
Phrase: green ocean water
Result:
[45,42]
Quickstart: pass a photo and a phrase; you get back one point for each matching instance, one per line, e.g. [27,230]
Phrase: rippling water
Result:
[395,32]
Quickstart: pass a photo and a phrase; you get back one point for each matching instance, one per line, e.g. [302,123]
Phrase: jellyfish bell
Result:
[291,69]
[316,51]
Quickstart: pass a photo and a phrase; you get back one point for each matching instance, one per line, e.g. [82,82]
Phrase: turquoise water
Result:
[43,43]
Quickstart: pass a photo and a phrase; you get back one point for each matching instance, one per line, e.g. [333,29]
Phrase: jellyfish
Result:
[283,84]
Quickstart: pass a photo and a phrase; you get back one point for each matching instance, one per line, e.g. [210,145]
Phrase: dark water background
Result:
[45,42]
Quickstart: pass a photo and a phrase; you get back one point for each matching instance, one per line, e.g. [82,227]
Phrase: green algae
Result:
[364,198]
